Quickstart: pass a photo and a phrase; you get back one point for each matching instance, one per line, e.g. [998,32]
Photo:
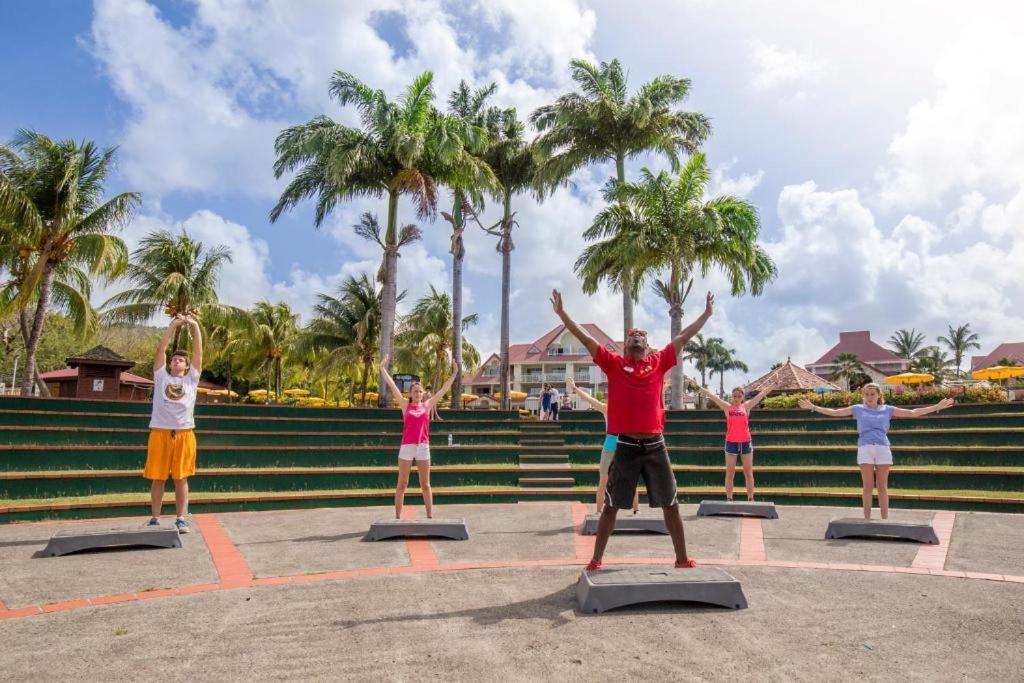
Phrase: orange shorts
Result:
[170,452]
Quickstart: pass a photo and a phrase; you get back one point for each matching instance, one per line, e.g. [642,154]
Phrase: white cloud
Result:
[738,186]
[778,66]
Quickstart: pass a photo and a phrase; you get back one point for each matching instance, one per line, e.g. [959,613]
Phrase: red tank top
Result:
[737,424]
[416,427]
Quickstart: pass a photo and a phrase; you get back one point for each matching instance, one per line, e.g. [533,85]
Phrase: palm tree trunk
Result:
[23,325]
[458,253]
[721,382]
[389,294]
[506,284]
[278,372]
[32,343]
[626,284]
[365,380]
[229,381]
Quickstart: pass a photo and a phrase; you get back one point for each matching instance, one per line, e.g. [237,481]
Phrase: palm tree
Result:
[514,164]
[848,367]
[227,335]
[933,361]
[468,176]
[907,343]
[398,150]
[960,340]
[662,224]
[1006,361]
[170,273]
[346,327]
[723,362]
[703,350]
[51,193]
[603,123]
[275,328]
[427,331]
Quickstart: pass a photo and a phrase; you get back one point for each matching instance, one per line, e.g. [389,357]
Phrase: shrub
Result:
[932,394]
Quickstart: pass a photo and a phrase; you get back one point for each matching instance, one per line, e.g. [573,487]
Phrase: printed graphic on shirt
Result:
[174,392]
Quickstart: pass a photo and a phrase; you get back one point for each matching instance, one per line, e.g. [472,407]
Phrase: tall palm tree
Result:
[427,329]
[960,340]
[664,223]
[274,333]
[702,351]
[51,193]
[468,121]
[399,149]
[934,361]
[848,367]
[906,344]
[722,362]
[604,123]
[227,335]
[346,327]
[514,164]
[173,274]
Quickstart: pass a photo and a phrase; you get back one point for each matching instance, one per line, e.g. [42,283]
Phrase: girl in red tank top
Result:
[738,442]
[415,445]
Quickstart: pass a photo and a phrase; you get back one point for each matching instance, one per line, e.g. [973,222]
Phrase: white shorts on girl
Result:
[874,455]
[414,451]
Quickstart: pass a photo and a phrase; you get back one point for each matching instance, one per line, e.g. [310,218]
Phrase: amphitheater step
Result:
[529,483]
[543,459]
[546,467]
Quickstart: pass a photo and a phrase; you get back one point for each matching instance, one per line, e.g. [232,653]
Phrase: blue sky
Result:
[881,143]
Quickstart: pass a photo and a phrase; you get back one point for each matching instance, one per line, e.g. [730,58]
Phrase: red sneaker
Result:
[689,564]
[593,566]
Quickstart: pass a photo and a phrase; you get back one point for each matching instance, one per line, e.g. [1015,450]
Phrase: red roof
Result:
[858,343]
[1013,350]
[72,373]
[536,352]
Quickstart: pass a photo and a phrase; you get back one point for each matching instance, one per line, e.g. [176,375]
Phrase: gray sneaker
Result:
[153,523]
[181,525]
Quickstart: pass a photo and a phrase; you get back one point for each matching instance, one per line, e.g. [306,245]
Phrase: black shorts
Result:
[633,460]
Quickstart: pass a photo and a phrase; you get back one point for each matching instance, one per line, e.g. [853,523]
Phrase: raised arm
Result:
[680,341]
[160,359]
[724,405]
[769,384]
[589,342]
[918,412]
[594,403]
[831,412]
[403,402]
[432,401]
[197,344]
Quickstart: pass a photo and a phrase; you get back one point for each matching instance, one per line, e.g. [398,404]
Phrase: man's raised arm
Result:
[680,341]
[589,342]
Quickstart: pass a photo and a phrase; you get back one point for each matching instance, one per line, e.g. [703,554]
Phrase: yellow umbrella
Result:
[202,390]
[514,395]
[910,378]
[999,372]
[296,392]
[469,397]
[224,392]
[258,392]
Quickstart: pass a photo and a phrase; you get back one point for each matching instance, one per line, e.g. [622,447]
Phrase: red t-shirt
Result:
[635,390]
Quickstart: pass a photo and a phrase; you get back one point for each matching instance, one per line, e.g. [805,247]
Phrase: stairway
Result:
[543,465]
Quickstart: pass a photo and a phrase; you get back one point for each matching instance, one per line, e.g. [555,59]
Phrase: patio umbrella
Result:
[822,390]
[296,392]
[910,378]
[999,372]
[202,390]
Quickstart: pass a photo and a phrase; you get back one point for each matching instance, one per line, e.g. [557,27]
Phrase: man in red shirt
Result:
[636,414]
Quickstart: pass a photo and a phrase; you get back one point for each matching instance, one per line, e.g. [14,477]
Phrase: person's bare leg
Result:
[867,476]
[423,468]
[181,497]
[748,474]
[602,485]
[730,475]
[404,467]
[636,501]
[156,497]
[674,524]
[882,484]
[605,526]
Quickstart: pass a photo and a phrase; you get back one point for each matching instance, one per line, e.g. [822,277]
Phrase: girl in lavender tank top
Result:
[415,436]
[738,442]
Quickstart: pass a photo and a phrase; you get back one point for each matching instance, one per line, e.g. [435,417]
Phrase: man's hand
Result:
[556,302]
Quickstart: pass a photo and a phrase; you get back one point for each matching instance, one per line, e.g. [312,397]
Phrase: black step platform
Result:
[881,528]
[423,527]
[625,521]
[76,540]
[743,508]
[607,589]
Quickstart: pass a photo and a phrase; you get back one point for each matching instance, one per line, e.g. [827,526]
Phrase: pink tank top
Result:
[416,428]
[737,424]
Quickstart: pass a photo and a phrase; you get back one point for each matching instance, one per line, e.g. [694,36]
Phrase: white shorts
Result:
[874,455]
[414,451]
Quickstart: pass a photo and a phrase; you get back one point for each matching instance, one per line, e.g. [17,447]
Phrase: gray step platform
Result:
[400,528]
[881,528]
[626,521]
[610,588]
[723,507]
[74,540]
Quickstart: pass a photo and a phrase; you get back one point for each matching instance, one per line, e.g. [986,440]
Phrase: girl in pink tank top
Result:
[738,441]
[415,447]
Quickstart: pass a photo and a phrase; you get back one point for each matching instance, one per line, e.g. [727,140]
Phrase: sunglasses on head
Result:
[637,333]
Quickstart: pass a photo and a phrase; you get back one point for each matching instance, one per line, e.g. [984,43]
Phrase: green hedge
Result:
[841,399]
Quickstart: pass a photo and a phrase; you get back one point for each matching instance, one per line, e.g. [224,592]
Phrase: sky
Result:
[881,142]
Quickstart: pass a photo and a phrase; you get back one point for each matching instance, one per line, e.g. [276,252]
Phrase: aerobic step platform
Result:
[402,528]
[709,508]
[626,521]
[75,540]
[608,589]
[881,528]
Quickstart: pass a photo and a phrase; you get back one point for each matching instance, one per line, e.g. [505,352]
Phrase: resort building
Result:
[1011,350]
[876,362]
